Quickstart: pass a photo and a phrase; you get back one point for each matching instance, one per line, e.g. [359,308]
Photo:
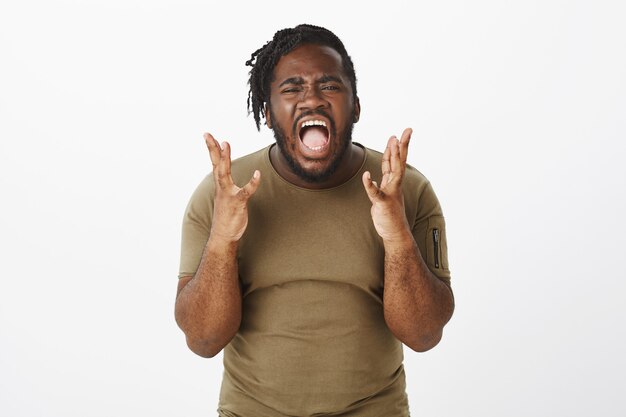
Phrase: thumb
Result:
[252,185]
[371,188]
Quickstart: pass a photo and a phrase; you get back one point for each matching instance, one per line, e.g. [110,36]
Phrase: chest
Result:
[318,237]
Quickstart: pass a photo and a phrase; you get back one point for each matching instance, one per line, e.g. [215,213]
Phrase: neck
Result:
[350,164]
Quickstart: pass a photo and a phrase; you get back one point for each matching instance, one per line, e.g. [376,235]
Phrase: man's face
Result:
[312,111]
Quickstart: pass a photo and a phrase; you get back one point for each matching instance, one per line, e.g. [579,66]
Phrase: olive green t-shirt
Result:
[313,339]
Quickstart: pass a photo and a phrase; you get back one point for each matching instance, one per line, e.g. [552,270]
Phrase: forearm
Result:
[208,307]
[417,304]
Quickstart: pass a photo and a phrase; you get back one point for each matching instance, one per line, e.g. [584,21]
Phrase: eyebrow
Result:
[329,78]
[300,81]
[293,80]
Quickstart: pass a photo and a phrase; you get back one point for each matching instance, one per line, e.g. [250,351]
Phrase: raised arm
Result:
[417,304]
[208,304]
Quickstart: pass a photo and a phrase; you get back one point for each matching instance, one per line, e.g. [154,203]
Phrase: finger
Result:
[394,159]
[386,167]
[214,149]
[386,164]
[250,188]
[223,169]
[226,157]
[371,188]
[404,144]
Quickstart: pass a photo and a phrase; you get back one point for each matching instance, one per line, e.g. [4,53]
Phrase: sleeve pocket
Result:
[436,246]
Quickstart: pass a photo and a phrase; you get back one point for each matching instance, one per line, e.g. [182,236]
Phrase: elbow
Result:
[424,343]
[203,348]
[198,344]
[207,343]
[203,344]
[428,336]
[205,338]
[416,338]
[420,336]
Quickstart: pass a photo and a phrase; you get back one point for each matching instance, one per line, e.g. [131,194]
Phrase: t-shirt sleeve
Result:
[429,231]
[196,227]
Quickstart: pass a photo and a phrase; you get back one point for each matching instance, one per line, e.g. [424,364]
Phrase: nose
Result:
[311,98]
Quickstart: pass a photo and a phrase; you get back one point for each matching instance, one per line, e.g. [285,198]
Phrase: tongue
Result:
[314,136]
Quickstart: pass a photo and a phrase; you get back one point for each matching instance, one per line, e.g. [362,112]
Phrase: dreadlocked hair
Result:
[264,59]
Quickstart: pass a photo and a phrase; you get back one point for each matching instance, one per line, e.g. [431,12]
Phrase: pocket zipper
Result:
[436,243]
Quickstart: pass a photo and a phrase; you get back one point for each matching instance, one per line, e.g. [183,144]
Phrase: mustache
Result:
[308,113]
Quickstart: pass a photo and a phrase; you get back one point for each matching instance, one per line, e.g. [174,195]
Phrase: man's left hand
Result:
[387,198]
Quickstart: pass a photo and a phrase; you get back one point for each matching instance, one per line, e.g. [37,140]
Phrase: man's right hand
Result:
[230,212]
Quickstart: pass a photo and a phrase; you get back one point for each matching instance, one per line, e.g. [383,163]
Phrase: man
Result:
[313,273]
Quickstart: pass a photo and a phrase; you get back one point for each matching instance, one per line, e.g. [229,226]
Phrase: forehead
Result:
[309,60]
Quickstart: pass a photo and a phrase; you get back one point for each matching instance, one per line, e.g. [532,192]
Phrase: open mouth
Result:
[314,135]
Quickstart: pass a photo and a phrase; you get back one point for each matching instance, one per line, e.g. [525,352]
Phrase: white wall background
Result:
[519,114]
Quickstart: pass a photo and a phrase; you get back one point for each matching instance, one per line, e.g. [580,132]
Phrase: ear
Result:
[268,116]
[357,110]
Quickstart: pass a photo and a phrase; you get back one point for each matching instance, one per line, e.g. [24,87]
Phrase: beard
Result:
[314,176]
